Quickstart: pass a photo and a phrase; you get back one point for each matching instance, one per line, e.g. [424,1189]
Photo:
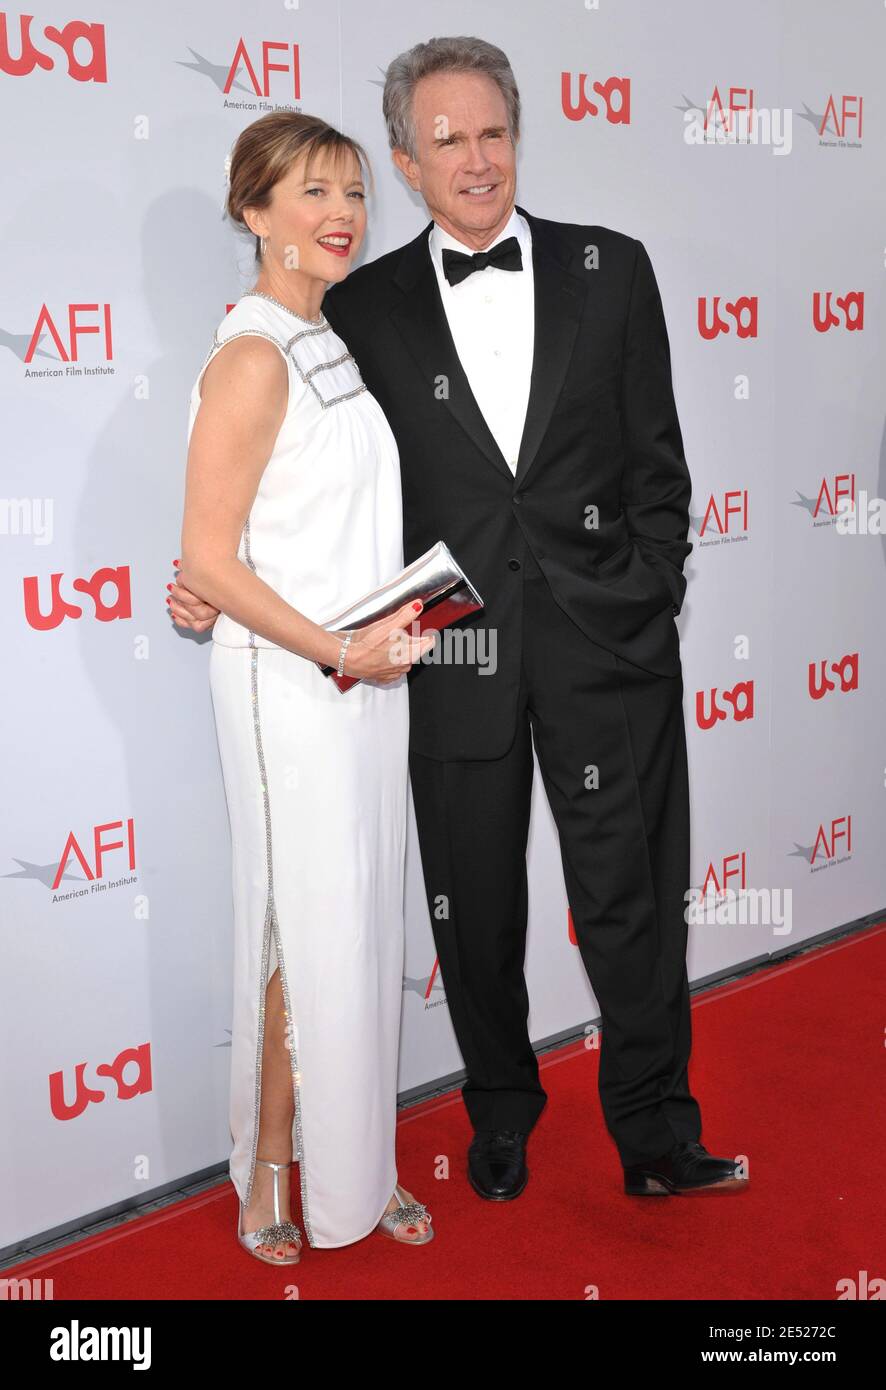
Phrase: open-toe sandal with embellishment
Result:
[402,1224]
[261,1243]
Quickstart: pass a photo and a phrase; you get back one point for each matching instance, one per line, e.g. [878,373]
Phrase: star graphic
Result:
[808,503]
[18,345]
[690,106]
[43,873]
[216,72]
[802,852]
[419,986]
[811,117]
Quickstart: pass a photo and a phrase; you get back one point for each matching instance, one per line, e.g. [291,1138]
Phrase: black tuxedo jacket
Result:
[601,432]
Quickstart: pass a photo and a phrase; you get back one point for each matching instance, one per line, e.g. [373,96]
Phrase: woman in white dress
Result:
[293,510]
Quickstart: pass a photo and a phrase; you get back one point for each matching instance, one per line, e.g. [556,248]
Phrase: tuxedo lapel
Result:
[559,302]
[421,322]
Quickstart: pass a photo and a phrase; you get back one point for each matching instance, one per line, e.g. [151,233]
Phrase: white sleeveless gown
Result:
[316,786]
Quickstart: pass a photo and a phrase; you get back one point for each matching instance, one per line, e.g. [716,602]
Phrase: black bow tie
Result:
[505,256]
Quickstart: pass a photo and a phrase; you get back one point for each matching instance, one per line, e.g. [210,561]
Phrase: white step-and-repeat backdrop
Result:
[745,147]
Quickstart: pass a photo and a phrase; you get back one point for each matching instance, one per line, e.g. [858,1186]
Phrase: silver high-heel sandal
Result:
[275,1234]
[405,1215]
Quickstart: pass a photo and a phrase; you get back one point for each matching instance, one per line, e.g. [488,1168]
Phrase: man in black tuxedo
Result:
[524,367]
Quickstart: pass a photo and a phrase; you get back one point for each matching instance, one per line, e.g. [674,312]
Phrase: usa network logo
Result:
[138,1082]
[715,705]
[738,316]
[844,673]
[117,604]
[263,69]
[577,101]
[832,310]
[53,48]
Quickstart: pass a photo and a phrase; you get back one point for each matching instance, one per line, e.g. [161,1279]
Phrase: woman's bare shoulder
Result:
[245,367]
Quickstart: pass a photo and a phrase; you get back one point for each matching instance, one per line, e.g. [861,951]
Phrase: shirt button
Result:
[513,564]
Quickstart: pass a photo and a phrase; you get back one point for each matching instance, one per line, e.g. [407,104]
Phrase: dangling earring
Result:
[263,244]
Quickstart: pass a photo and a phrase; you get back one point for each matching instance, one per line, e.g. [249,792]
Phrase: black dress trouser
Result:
[625,854]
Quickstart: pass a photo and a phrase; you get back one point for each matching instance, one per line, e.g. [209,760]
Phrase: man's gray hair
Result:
[443,55]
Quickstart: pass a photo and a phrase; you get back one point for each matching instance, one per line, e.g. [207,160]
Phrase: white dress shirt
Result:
[491,316]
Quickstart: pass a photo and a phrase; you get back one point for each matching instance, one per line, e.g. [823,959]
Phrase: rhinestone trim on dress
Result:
[306,376]
[272,925]
[325,366]
[260,294]
[286,349]
[218,342]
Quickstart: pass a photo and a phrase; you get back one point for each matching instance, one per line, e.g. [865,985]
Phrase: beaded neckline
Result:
[260,294]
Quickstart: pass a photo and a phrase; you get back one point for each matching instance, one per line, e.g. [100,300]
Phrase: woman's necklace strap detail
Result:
[260,294]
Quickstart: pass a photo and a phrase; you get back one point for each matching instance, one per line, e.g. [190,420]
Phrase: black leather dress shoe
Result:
[497,1164]
[688,1167]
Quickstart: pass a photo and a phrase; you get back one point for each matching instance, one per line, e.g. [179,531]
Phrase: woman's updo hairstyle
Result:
[266,150]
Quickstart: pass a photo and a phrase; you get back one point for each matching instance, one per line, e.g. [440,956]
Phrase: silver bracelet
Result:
[341,656]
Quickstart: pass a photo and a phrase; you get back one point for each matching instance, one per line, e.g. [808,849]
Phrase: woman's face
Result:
[316,219]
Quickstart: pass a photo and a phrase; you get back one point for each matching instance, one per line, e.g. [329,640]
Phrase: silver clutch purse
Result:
[435,577]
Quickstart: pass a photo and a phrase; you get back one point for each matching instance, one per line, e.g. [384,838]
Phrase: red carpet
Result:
[787,1065]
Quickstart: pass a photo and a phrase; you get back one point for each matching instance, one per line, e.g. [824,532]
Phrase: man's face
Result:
[465,166]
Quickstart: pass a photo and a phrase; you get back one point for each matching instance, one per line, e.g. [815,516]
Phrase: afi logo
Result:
[732,867]
[740,699]
[617,113]
[263,89]
[31,57]
[425,988]
[839,120]
[99,849]
[846,669]
[840,829]
[835,493]
[851,307]
[68,348]
[741,100]
[87,1095]
[743,311]
[432,977]
[60,609]
[726,514]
